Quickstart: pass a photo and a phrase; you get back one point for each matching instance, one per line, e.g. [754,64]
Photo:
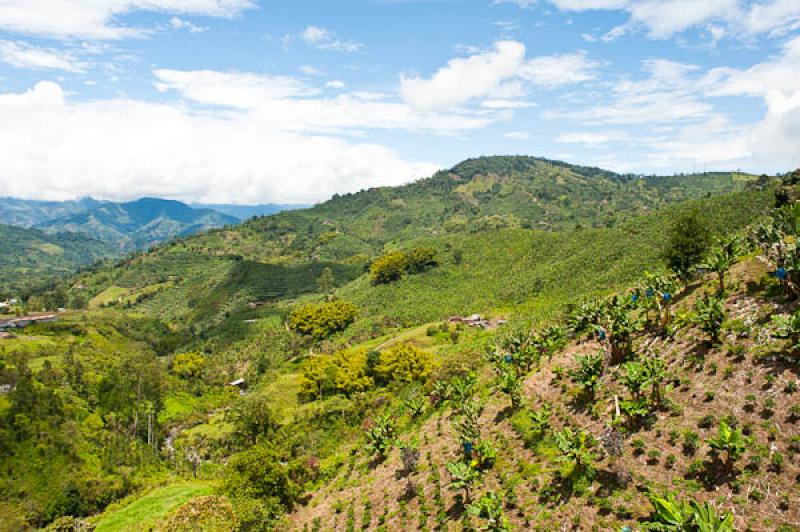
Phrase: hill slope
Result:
[28,256]
[139,224]
[28,213]
[476,195]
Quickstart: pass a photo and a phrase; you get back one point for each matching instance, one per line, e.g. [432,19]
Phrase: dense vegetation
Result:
[29,257]
[200,385]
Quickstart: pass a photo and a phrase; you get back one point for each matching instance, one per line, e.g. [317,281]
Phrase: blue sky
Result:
[247,101]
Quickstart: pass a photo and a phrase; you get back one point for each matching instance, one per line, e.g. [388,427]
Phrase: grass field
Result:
[145,512]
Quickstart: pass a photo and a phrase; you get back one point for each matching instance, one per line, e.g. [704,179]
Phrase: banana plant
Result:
[679,516]
[510,383]
[587,374]
[463,477]
[710,315]
[490,508]
[577,448]
[707,519]
[788,327]
[721,258]
[381,437]
[729,441]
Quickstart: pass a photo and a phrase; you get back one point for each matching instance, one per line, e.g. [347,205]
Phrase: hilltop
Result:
[138,224]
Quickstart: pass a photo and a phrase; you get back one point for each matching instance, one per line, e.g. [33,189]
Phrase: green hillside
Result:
[28,213]
[29,256]
[477,195]
[245,379]
[138,224]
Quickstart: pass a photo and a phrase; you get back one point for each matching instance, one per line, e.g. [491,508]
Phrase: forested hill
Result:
[476,195]
[28,255]
[139,224]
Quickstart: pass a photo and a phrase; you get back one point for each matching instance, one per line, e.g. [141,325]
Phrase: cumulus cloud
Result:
[181,24]
[23,55]
[592,139]
[125,148]
[291,105]
[99,19]
[324,39]
[497,74]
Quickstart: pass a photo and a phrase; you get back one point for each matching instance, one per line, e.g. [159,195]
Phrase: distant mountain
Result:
[138,224]
[244,212]
[29,256]
[28,213]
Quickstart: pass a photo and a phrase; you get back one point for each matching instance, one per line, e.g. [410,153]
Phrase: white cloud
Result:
[334,84]
[22,55]
[99,19]
[592,139]
[310,70]
[517,135]
[662,19]
[465,78]
[123,149]
[324,39]
[558,70]
[497,74]
[181,24]
[520,3]
[291,105]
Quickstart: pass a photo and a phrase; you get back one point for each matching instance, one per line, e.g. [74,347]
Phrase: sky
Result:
[292,101]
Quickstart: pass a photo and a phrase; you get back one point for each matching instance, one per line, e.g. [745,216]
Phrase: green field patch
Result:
[110,294]
[146,511]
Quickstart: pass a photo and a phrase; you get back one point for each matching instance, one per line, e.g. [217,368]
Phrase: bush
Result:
[213,513]
[688,243]
[320,320]
[188,366]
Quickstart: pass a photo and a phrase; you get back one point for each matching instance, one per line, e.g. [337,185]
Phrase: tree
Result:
[320,320]
[388,268]
[729,441]
[710,314]
[463,476]
[588,373]
[421,259]
[687,244]
[721,258]
[351,372]
[326,281]
[404,363]
[317,377]
[253,417]
[258,475]
[188,366]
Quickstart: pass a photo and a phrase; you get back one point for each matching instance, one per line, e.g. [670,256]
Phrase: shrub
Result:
[212,513]
[320,320]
